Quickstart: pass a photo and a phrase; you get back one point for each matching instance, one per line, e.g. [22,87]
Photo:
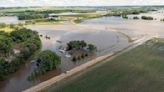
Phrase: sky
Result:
[14,3]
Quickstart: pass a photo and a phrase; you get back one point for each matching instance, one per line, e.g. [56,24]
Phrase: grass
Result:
[138,70]
[2,37]
[48,23]
[23,9]
[6,29]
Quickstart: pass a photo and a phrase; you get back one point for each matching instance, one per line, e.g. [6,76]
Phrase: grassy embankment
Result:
[80,18]
[6,29]
[138,70]
[10,27]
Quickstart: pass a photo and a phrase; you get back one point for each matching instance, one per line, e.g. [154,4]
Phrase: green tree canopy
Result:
[48,61]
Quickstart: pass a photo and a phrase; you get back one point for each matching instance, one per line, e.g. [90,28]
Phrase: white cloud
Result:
[78,2]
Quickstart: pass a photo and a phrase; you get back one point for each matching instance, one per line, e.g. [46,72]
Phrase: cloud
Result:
[78,2]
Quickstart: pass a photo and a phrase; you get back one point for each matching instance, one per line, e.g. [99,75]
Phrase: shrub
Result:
[135,17]
[48,61]
[147,18]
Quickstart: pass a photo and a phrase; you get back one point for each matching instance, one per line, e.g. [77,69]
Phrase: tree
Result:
[5,45]
[74,59]
[3,70]
[135,17]
[48,60]
[91,47]
[147,18]
[76,44]
[29,42]
[83,44]
[125,16]
[23,34]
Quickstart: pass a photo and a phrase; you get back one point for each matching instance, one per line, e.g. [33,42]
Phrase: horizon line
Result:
[80,6]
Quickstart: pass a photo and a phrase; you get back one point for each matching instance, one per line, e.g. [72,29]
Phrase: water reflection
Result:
[9,20]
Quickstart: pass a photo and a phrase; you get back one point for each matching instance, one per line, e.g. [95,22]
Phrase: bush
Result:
[74,59]
[82,56]
[78,58]
[162,19]
[135,17]
[76,44]
[7,68]
[30,16]
[86,55]
[47,61]
[147,18]
[91,47]
[30,43]
[125,16]
[5,45]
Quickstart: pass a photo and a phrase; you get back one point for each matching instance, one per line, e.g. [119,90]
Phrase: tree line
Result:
[30,43]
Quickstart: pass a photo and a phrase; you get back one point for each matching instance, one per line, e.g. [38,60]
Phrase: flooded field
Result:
[9,20]
[157,15]
[104,32]
[134,28]
[106,41]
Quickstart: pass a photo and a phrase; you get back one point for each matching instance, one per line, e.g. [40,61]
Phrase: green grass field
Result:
[138,70]
[6,29]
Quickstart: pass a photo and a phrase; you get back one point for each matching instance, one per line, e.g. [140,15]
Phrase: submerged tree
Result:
[91,47]
[47,61]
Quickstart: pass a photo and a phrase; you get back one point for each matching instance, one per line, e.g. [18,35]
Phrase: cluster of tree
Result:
[5,43]
[23,34]
[162,19]
[47,61]
[76,45]
[75,58]
[29,48]
[7,68]
[147,18]
[136,17]
[127,11]
[5,46]
[92,47]
[80,45]
[125,16]
[30,42]
[30,16]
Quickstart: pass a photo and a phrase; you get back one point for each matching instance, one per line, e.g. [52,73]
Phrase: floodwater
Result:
[106,42]
[158,15]
[9,20]
[134,28]
[100,31]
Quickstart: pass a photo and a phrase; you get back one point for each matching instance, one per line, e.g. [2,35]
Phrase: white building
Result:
[54,17]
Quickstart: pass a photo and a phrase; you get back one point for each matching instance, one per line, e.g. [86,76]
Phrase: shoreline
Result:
[73,71]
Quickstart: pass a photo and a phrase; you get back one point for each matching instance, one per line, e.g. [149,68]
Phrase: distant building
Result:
[54,17]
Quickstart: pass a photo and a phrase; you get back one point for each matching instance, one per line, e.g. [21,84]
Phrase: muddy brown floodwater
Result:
[105,40]
[100,31]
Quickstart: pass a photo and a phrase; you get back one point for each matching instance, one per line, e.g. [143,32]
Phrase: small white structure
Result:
[67,55]
[54,17]
[16,51]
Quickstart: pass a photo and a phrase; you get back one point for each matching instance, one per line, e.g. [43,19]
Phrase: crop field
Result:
[138,70]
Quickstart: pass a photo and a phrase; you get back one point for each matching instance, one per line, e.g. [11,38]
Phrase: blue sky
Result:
[12,3]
